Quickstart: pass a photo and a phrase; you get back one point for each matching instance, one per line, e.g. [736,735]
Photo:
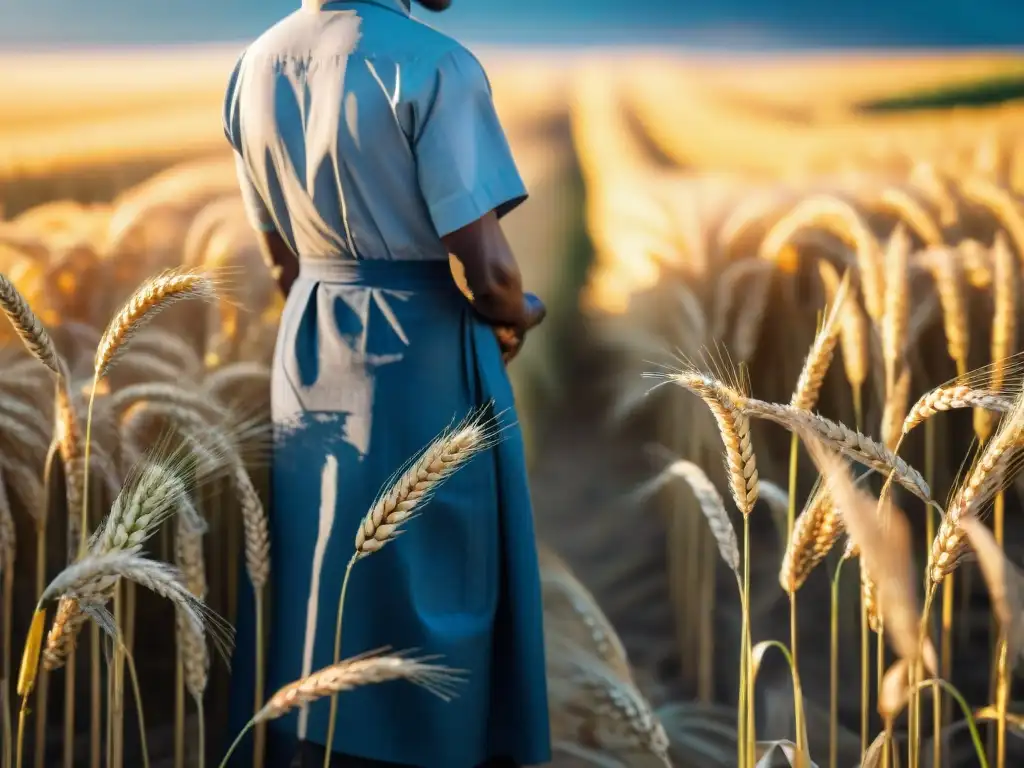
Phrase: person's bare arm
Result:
[283,264]
[492,275]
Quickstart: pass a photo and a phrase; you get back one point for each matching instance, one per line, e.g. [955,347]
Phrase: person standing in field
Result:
[368,150]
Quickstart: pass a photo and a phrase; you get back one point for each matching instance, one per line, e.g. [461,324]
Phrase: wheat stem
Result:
[865,679]
[179,711]
[741,707]
[801,738]
[7,751]
[261,729]
[236,742]
[972,726]
[118,726]
[137,692]
[794,455]
[751,727]
[41,527]
[833,672]
[201,736]
[69,709]
[19,748]
[8,599]
[96,697]
[1002,696]
[84,538]
[337,659]
[999,668]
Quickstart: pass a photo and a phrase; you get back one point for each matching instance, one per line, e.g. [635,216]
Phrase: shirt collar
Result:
[399,6]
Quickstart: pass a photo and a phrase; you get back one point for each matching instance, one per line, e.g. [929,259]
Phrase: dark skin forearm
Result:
[283,264]
[492,273]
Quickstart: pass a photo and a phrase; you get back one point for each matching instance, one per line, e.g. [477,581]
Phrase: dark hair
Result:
[435,5]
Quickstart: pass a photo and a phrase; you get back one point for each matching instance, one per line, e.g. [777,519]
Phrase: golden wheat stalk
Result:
[726,404]
[977,488]
[406,496]
[355,673]
[816,364]
[152,497]
[951,397]
[853,336]
[851,443]
[368,669]
[154,296]
[713,508]
[1001,203]
[1004,325]
[28,326]
[193,657]
[946,270]
[150,299]
[896,304]
[815,532]
[8,554]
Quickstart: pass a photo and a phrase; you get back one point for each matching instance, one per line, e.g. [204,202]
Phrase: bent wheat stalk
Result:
[725,404]
[849,442]
[348,675]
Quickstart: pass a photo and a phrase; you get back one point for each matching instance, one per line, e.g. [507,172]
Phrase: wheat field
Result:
[766,251]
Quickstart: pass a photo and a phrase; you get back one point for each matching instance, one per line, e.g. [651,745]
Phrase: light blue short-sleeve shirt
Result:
[360,132]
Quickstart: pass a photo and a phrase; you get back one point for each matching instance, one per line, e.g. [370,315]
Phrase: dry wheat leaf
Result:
[1005,584]
[884,543]
[873,755]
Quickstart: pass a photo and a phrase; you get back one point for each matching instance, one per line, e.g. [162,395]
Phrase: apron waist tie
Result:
[386,275]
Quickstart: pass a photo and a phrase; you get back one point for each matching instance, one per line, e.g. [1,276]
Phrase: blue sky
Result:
[711,23]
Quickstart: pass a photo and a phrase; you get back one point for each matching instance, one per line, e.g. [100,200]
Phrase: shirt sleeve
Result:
[229,114]
[255,209]
[464,163]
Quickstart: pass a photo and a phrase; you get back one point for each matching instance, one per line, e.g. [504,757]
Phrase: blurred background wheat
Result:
[684,207]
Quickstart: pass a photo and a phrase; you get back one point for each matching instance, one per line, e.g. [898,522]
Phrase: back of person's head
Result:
[435,5]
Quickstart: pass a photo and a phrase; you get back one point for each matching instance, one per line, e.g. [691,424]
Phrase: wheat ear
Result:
[816,365]
[896,312]
[977,488]
[405,497]
[954,396]
[725,404]
[28,325]
[851,443]
[151,298]
[369,669]
[817,529]
[558,583]
[713,507]
[601,711]
[853,335]
[947,273]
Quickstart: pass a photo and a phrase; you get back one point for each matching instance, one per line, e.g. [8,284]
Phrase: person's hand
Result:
[510,339]
[535,311]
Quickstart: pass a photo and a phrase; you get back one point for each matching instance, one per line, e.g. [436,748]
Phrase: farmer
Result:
[368,149]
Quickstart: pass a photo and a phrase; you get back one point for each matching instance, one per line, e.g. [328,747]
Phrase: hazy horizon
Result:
[743,24]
